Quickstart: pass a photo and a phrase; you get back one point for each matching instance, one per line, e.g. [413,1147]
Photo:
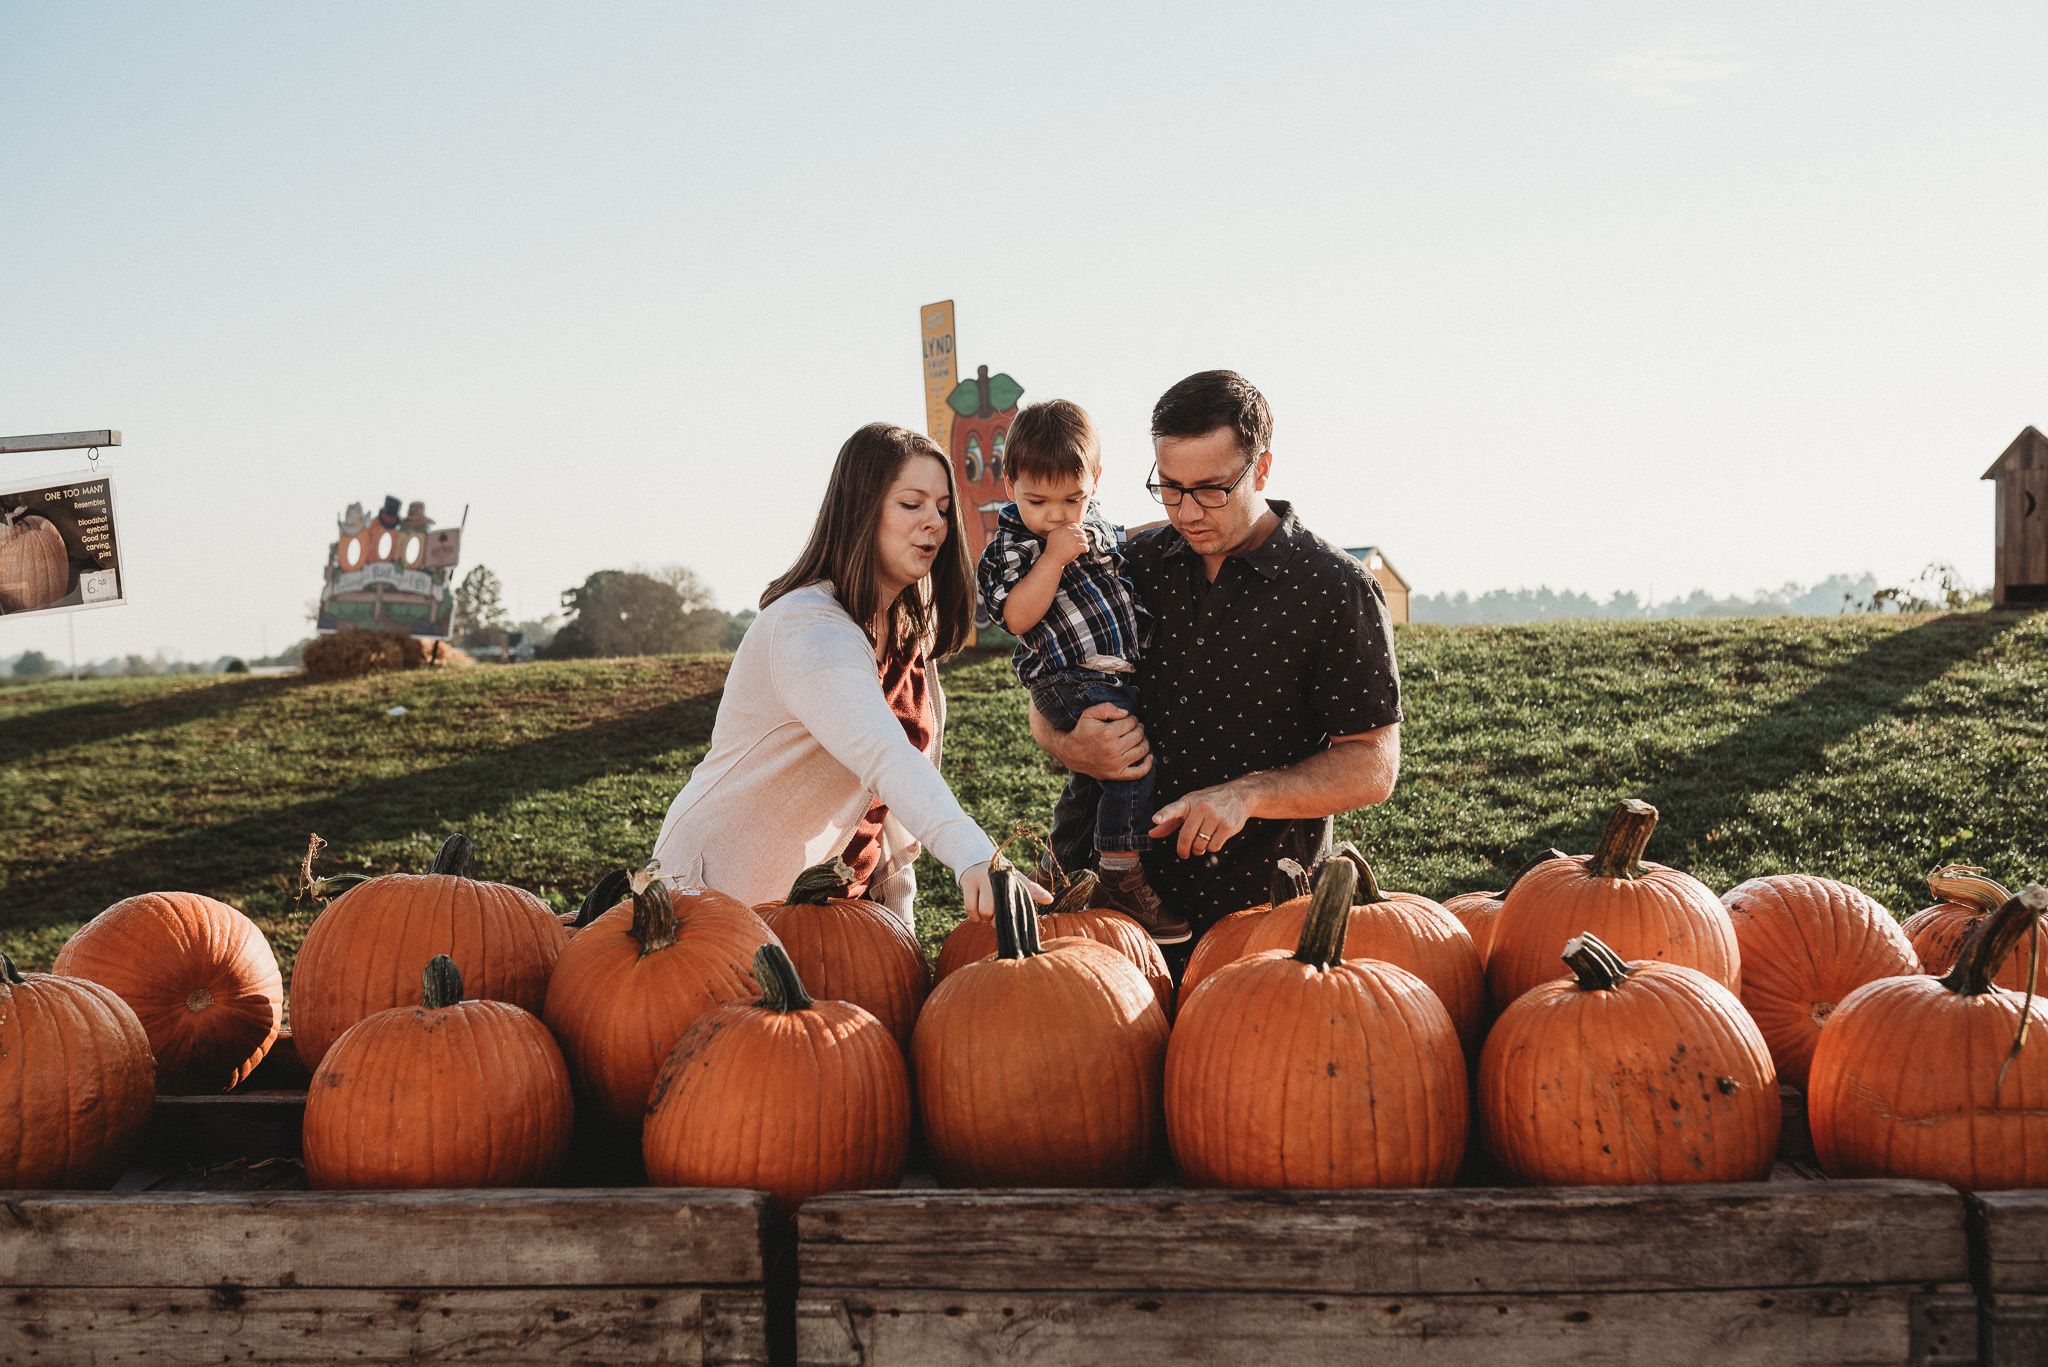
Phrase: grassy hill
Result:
[1867,749]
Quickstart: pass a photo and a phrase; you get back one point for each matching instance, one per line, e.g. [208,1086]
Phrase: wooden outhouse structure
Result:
[1395,587]
[2020,538]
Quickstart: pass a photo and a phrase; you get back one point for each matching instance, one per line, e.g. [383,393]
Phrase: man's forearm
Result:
[1348,775]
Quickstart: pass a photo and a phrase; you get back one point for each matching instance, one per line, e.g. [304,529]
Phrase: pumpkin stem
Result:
[457,856]
[654,911]
[1016,917]
[1076,894]
[1993,941]
[441,984]
[781,989]
[1329,915]
[9,973]
[610,890]
[1966,885]
[1620,852]
[1368,890]
[1290,880]
[820,883]
[1599,968]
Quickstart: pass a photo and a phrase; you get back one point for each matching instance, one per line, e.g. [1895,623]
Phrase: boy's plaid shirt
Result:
[1093,613]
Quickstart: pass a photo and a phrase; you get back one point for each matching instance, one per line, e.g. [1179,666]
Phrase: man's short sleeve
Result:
[1354,684]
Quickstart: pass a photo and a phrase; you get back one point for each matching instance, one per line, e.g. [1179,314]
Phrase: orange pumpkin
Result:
[35,569]
[1069,915]
[1313,1069]
[1964,896]
[1631,1073]
[199,976]
[354,961]
[786,1095]
[1223,943]
[76,1081]
[1478,911]
[1400,928]
[849,949]
[633,980]
[1806,944]
[1041,1066]
[1928,1077]
[447,1093]
[1639,910]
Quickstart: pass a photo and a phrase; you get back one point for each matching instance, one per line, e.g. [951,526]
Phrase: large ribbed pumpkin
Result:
[1316,1070]
[363,952]
[35,570]
[446,1093]
[1041,1066]
[76,1081]
[849,949]
[1628,1073]
[634,979]
[1964,896]
[1806,944]
[1401,928]
[1069,915]
[1478,911]
[1917,1076]
[785,1095]
[1223,943]
[1639,910]
[199,976]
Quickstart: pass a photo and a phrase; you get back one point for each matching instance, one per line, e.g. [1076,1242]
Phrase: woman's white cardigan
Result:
[804,745]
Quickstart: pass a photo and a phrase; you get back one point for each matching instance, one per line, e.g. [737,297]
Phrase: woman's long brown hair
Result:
[935,612]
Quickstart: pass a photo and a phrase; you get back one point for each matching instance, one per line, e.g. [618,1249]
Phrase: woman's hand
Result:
[980,898]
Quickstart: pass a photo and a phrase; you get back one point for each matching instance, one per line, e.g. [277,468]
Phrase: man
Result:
[1270,695]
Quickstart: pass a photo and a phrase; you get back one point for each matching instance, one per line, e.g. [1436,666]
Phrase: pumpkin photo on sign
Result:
[57,546]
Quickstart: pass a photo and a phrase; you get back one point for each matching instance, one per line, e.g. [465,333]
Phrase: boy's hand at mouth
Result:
[1066,544]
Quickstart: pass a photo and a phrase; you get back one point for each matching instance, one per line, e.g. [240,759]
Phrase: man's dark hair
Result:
[1053,440]
[1215,398]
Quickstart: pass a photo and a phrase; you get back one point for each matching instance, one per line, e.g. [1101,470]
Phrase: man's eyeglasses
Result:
[1205,495]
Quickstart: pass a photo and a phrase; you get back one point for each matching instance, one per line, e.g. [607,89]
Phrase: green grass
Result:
[1867,749]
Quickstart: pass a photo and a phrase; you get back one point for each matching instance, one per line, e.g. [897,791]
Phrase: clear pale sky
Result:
[1597,296]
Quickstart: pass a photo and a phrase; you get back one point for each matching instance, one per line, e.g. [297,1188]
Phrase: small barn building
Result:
[1391,582]
[2020,535]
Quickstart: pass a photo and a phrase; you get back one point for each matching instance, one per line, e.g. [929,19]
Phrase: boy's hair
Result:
[1053,440]
[1202,403]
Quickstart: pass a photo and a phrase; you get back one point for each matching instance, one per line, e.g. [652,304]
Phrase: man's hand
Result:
[1107,743]
[1066,544]
[1205,818]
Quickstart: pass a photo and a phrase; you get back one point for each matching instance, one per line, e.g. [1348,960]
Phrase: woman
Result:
[827,738]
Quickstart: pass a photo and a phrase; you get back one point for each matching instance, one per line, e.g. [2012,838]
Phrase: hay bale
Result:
[351,654]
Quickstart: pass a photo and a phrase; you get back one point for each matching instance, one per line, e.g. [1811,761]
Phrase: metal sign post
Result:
[61,441]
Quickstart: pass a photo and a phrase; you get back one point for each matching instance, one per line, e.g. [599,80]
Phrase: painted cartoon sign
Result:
[971,420]
[390,573]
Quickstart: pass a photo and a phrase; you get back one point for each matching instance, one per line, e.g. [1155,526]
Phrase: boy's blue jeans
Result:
[1123,807]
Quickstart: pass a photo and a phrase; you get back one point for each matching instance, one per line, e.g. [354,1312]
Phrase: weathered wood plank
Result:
[2015,1225]
[1831,1326]
[215,1129]
[1398,1242]
[548,1325]
[2015,1331]
[595,1237]
[60,441]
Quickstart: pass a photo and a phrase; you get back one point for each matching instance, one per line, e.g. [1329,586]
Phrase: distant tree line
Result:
[1938,588]
[667,611]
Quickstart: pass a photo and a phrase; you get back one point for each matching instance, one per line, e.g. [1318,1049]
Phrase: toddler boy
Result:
[1052,577]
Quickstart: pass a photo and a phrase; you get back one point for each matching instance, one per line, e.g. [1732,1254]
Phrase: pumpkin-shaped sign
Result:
[35,572]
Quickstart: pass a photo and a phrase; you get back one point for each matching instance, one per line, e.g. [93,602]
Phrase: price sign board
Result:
[59,551]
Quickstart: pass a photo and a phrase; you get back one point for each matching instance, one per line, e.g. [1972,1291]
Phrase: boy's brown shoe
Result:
[1126,890]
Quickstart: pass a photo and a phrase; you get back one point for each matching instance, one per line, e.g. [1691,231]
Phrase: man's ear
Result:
[1262,472]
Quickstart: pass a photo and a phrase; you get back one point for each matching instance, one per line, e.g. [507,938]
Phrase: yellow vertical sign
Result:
[940,371]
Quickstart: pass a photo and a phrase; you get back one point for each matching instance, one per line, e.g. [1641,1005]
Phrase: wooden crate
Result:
[2012,1233]
[1766,1274]
[210,1249]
